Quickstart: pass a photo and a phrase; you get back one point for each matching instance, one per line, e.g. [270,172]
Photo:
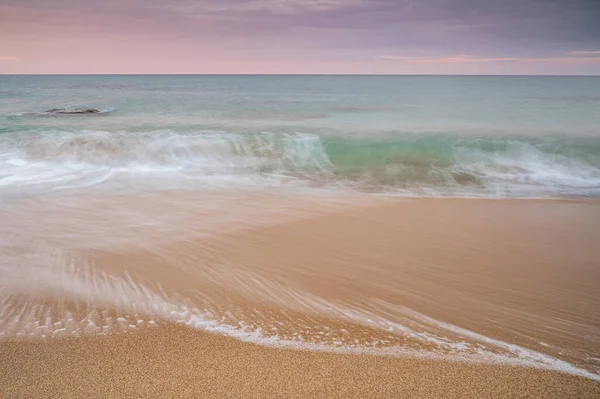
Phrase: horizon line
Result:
[287,74]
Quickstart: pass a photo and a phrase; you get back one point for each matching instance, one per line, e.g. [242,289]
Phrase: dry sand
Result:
[524,272]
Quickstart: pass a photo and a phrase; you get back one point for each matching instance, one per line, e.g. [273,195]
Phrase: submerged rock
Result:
[72,111]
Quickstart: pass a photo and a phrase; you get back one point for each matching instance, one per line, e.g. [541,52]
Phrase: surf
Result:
[422,165]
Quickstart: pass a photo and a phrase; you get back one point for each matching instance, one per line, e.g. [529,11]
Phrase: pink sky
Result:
[291,36]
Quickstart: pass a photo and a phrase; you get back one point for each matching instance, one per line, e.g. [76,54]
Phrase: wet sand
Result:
[174,361]
[459,281]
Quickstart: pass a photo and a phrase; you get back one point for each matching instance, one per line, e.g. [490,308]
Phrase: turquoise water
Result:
[408,135]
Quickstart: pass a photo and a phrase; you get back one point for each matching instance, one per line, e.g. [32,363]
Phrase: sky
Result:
[300,36]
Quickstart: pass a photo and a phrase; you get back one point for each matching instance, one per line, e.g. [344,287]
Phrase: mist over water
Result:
[115,221]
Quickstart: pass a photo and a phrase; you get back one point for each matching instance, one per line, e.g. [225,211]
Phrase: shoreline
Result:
[439,276]
[175,361]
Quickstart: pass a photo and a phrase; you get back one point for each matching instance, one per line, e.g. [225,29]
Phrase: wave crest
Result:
[421,164]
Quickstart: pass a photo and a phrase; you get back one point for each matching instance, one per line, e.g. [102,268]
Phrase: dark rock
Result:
[72,111]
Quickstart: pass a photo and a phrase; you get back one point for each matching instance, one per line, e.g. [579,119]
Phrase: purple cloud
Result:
[305,30]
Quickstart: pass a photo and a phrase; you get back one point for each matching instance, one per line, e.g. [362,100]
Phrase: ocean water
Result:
[405,135]
[135,216]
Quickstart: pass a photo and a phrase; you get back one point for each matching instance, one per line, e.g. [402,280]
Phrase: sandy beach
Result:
[357,297]
[174,361]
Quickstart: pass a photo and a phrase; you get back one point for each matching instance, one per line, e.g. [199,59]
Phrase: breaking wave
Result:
[423,165]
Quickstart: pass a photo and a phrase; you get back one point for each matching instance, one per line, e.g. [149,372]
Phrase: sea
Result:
[143,212]
[468,136]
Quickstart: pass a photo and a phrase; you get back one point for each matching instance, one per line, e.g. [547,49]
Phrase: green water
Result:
[481,136]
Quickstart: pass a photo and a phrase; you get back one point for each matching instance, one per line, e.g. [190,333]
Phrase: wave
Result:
[207,156]
[525,165]
[136,306]
[413,164]
[446,165]
[213,151]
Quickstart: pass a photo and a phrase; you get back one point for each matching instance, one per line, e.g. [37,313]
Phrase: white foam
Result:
[59,160]
[33,162]
[522,357]
[522,168]
[134,298]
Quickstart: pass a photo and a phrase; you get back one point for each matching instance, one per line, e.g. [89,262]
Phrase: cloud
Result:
[445,60]
[464,59]
[186,7]
[585,52]
[278,6]
[8,58]
[564,60]
[452,25]
[504,34]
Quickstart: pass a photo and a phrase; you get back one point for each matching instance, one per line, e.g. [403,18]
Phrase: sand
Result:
[520,272]
[178,362]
